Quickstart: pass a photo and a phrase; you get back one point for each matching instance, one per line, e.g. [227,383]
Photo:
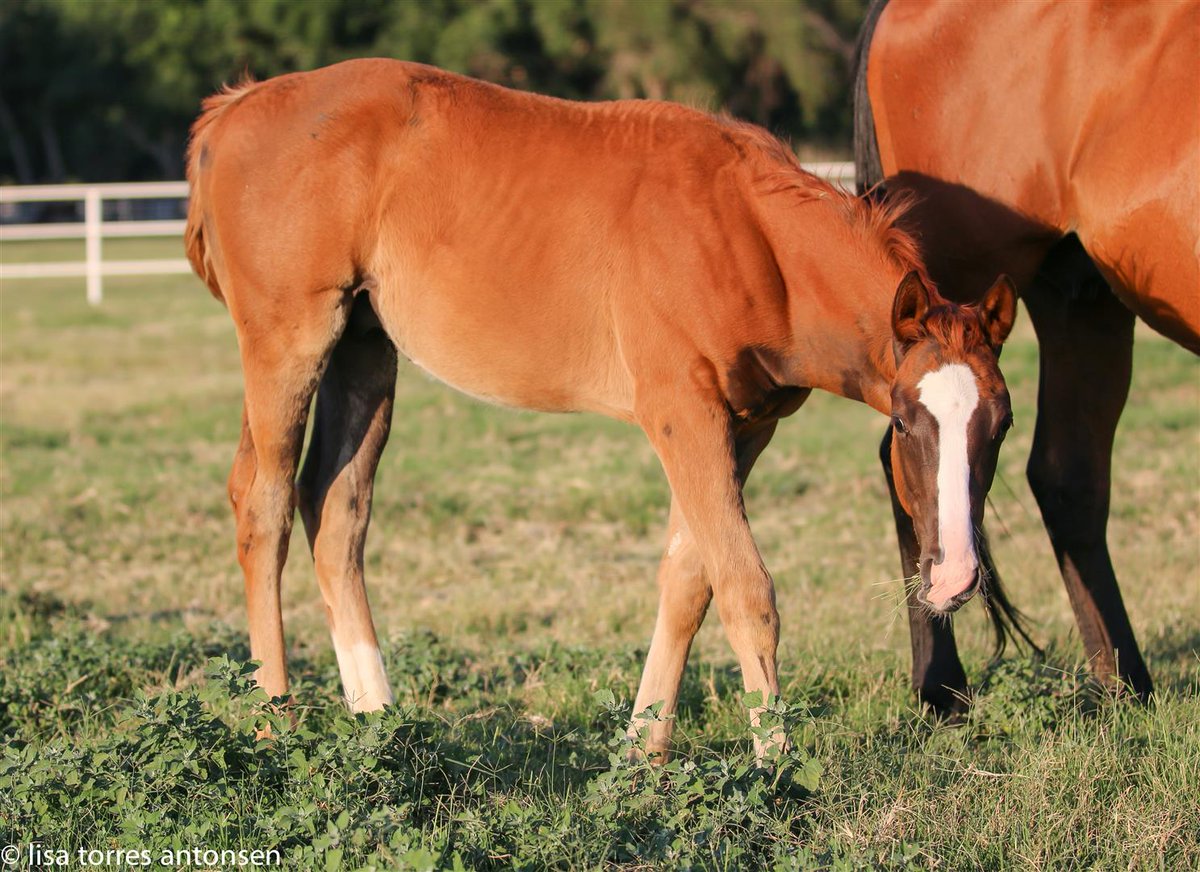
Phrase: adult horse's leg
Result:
[937,673]
[352,420]
[695,441]
[1085,336]
[281,369]
[684,595]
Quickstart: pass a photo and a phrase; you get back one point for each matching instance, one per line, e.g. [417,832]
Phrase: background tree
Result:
[104,89]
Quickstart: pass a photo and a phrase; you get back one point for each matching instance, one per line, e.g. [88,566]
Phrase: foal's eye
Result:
[1004,427]
[898,425]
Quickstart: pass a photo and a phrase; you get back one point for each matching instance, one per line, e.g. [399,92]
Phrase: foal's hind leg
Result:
[694,439]
[684,595]
[353,416]
[937,673]
[1086,345]
[282,359]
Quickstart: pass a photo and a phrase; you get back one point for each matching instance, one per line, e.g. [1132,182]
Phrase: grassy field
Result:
[511,567]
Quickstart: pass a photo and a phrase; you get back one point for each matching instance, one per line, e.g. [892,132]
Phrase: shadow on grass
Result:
[500,730]
[1178,650]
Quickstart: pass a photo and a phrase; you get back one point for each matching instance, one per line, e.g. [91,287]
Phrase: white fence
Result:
[839,172]
[93,229]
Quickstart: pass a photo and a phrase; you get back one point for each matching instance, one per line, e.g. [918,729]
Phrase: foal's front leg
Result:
[694,438]
[683,598]
[684,595]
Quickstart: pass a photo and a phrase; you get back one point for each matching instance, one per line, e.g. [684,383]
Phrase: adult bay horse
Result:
[637,259]
[1058,143]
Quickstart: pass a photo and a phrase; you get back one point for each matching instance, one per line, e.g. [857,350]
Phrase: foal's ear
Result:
[908,309]
[997,310]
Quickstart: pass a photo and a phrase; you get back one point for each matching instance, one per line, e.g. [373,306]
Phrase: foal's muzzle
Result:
[946,585]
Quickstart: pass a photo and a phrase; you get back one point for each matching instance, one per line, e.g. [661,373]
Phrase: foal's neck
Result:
[846,351]
[840,285]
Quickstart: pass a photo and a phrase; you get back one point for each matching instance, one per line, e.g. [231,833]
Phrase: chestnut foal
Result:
[637,259]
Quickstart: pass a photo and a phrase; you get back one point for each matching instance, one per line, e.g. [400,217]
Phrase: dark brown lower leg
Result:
[1086,339]
[350,428]
[937,673]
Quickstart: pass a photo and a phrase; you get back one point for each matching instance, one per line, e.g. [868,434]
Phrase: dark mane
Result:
[868,170]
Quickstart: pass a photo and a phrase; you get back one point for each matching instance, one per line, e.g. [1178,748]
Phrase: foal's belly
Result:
[507,344]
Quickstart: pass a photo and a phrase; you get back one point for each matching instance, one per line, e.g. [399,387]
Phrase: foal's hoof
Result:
[639,755]
[772,746]
[283,711]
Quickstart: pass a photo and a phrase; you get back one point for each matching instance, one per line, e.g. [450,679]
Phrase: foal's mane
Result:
[879,218]
[954,327]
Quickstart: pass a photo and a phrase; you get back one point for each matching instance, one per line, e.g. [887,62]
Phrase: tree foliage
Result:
[106,89]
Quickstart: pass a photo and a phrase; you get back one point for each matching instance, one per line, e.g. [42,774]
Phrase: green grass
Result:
[120,248]
[511,568]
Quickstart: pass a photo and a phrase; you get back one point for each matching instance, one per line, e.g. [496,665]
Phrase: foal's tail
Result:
[197,158]
[1007,620]
[868,169]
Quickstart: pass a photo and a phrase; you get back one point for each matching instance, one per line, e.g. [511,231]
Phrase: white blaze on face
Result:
[951,395]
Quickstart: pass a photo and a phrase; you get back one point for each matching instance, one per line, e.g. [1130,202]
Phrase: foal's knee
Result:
[683,589]
[747,606]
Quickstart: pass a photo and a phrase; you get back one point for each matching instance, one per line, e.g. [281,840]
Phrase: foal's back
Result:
[512,244]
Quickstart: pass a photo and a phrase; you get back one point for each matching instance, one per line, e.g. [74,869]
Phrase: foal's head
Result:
[950,411]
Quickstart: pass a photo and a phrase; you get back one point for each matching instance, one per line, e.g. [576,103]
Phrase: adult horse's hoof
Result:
[945,705]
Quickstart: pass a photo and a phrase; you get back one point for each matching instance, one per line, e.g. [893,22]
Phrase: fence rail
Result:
[93,229]
[78,230]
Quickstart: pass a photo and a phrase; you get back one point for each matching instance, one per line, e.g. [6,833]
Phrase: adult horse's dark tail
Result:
[868,171]
[1007,620]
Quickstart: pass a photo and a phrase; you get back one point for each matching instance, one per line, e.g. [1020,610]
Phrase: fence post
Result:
[92,216]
